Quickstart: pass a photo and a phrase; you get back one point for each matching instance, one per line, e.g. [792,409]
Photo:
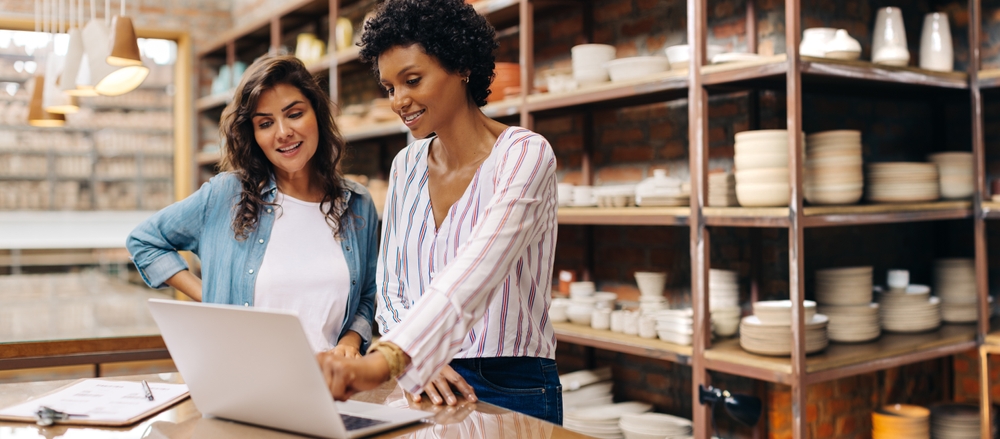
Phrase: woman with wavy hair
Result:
[280,227]
[469,226]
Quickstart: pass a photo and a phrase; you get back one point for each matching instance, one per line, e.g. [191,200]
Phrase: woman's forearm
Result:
[187,283]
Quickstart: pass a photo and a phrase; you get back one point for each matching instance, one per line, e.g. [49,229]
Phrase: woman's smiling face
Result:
[423,93]
[284,125]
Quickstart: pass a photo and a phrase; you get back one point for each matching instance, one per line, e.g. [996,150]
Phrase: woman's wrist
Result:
[351,339]
[389,359]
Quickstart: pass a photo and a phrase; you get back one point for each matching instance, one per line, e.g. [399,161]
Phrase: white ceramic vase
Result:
[889,38]
[936,52]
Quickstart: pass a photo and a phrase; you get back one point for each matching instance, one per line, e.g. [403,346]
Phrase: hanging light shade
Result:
[53,99]
[75,66]
[125,48]
[37,116]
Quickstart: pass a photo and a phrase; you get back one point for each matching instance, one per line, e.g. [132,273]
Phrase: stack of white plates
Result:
[779,312]
[955,421]
[769,339]
[761,162]
[900,182]
[844,286]
[909,310]
[955,284]
[722,190]
[675,325]
[601,421]
[654,425]
[954,173]
[833,172]
[587,396]
[852,323]
[723,289]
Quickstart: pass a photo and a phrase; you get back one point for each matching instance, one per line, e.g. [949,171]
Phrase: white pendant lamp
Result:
[75,66]
[54,100]
[129,75]
[37,116]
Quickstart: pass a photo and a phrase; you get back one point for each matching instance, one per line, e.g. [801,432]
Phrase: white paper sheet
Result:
[102,400]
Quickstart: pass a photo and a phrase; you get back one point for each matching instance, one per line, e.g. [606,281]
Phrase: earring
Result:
[465,79]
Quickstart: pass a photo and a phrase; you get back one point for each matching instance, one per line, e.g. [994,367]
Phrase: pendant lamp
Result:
[125,54]
[75,66]
[53,99]
[37,116]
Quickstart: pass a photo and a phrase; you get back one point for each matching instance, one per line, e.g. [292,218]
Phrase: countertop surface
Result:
[184,421]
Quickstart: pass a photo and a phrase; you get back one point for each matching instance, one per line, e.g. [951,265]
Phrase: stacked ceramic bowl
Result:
[769,330]
[955,284]
[585,388]
[601,421]
[651,290]
[675,326]
[954,174]
[955,421]
[901,182]
[844,295]
[590,63]
[909,310]
[761,162]
[654,426]
[627,69]
[582,302]
[901,421]
[722,190]
[723,289]
[833,172]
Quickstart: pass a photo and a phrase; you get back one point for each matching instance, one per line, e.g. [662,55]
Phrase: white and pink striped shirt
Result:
[478,286]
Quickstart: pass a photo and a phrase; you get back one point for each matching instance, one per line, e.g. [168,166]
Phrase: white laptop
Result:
[256,366]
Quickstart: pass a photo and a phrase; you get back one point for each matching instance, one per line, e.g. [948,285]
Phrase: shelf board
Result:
[840,360]
[991,209]
[375,131]
[68,230]
[73,129]
[214,101]
[650,88]
[989,78]
[499,12]
[814,68]
[627,344]
[993,338]
[625,216]
[208,158]
[504,108]
[348,55]
[823,216]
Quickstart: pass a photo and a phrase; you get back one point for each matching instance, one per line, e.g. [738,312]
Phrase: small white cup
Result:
[581,289]
[557,310]
[898,279]
[647,326]
[601,319]
[583,195]
[618,320]
[565,193]
[630,323]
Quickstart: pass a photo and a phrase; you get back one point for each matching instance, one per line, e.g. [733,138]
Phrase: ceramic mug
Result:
[936,52]
[630,323]
[617,320]
[898,279]
[647,326]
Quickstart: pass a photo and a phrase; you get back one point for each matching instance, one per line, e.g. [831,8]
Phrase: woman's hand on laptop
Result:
[347,376]
[349,345]
[441,389]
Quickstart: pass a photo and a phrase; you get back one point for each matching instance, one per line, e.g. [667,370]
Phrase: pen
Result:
[145,388]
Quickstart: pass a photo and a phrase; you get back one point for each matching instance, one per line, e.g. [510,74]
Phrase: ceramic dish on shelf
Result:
[842,46]
[626,69]
[723,58]
[844,286]
[779,312]
[758,338]
[955,421]
[901,421]
[680,56]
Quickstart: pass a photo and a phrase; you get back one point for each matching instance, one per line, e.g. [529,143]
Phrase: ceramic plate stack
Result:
[654,425]
[601,421]
[722,190]
[901,421]
[585,388]
[954,174]
[845,296]
[902,182]
[955,421]
[723,289]
[833,172]
[675,325]
[761,162]
[909,310]
[769,330]
[955,284]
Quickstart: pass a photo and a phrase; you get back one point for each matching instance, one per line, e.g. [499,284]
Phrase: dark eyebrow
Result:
[282,110]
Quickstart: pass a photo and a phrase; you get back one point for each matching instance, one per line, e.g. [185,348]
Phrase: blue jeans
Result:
[527,385]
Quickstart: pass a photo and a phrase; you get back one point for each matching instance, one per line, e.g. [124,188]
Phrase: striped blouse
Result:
[478,286]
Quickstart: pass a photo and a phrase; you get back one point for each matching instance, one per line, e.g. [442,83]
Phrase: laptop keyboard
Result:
[357,423]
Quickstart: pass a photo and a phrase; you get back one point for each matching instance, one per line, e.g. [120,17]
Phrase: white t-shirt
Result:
[304,271]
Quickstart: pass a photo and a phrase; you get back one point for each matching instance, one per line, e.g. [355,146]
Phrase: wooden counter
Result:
[184,421]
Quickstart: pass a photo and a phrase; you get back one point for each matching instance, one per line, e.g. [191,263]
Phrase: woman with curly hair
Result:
[280,228]
[469,226]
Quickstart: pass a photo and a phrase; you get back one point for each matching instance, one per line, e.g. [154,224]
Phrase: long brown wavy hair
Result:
[243,156]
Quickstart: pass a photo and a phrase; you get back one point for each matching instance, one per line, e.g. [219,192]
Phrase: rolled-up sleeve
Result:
[154,244]
[521,208]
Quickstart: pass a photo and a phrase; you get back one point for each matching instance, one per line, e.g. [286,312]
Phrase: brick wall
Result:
[202,19]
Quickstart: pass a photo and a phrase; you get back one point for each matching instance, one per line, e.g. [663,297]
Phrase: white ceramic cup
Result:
[581,289]
[583,195]
[936,51]
[889,38]
[557,310]
[601,319]
[647,326]
[630,323]
[898,279]
[617,320]
[565,193]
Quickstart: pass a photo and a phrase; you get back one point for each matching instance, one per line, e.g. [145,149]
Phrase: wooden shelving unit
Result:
[627,344]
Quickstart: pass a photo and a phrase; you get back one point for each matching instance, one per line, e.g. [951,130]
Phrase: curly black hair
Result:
[449,30]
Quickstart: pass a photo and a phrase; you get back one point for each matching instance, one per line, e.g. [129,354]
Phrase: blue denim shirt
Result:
[202,223]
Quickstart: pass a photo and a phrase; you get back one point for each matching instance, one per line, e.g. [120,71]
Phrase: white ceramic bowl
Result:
[590,76]
[762,176]
[582,289]
[650,283]
[770,135]
[762,146]
[605,299]
[779,312]
[592,55]
[557,310]
[680,55]
[763,195]
[624,69]
[754,161]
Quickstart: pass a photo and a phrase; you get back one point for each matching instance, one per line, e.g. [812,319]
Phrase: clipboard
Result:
[112,403]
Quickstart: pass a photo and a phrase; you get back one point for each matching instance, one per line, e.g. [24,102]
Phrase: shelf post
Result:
[331,44]
[526,40]
[796,283]
[979,171]
[698,164]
